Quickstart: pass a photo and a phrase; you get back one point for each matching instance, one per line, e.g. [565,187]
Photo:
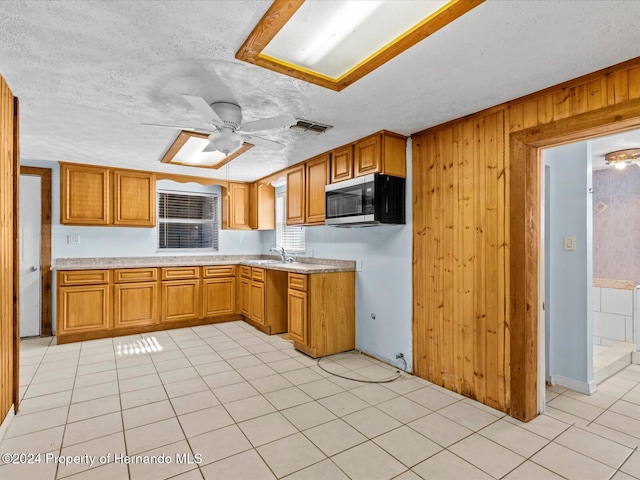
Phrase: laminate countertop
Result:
[305,265]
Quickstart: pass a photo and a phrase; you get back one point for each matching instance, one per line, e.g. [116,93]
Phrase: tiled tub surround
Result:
[255,408]
[300,265]
[615,334]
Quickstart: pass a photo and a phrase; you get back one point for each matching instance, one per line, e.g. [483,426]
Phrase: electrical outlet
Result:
[73,239]
[358,265]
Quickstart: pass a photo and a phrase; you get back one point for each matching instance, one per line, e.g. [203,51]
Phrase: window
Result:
[187,220]
[291,238]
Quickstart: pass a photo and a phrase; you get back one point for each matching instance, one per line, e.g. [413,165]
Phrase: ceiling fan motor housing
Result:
[229,113]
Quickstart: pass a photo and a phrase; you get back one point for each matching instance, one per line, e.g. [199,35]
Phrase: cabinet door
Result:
[83,309]
[84,195]
[218,296]
[239,206]
[263,206]
[297,313]
[134,198]
[342,164]
[317,178]
[366,156]
[135,304]
[245,297]
[257,302]
[180,300]
[295,195]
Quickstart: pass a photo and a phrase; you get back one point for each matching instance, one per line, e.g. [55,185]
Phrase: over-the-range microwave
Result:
[370,200]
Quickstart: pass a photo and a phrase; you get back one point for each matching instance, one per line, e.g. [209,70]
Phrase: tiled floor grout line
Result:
[530,457]
[230,336]
[623,462]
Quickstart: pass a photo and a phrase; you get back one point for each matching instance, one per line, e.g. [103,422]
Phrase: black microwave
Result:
[374,199]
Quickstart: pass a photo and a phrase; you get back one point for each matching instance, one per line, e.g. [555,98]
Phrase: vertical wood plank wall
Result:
[7,172]
[476,233]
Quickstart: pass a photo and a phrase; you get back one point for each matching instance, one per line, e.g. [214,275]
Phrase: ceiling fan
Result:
[227,133]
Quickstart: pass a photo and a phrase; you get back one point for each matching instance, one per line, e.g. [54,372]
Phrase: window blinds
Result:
[291,238]
[187,220]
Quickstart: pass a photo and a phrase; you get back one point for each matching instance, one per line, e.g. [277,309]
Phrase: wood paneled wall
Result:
[8,162]
[476,191]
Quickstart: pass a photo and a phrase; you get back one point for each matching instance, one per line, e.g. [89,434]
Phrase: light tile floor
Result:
[228,402]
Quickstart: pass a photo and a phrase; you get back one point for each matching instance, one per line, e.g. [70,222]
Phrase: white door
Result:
[30,290]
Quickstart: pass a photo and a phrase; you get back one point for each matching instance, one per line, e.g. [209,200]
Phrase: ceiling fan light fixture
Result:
[226,141]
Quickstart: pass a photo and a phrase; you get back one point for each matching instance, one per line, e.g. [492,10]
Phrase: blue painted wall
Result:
[570,345]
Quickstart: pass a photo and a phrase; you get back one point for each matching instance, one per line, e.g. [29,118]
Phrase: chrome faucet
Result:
[283,256]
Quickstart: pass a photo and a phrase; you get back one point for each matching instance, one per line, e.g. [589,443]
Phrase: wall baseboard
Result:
[588,388]
[6,422]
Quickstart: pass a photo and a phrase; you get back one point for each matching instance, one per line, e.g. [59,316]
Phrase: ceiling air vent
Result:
[311,127]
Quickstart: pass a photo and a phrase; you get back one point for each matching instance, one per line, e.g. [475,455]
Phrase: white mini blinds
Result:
[187,221]
[291,238]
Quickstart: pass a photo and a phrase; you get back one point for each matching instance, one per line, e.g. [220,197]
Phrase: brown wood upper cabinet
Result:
[262,208]
[91,195]
[342,163]
[250,206]
[305,191]
[134,198]
[317,177]
[296,195]
[383,152]
[238,206]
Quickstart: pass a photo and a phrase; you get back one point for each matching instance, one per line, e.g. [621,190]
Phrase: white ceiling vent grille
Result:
[311,127]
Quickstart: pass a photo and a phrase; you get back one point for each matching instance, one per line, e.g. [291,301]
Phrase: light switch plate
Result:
[73,239]
[358,265]
[570,243]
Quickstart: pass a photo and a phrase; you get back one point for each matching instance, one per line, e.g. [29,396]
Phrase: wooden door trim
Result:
[524,230]
[16,255]
[45,245]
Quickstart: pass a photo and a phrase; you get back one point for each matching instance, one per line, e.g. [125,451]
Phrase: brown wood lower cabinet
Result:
[106,303]
[263,299]
[83,309]
[180,300]
[218,296]
[321,312]
[135,304]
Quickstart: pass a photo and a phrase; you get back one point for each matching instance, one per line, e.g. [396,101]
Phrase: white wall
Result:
[571,272]
[383,287]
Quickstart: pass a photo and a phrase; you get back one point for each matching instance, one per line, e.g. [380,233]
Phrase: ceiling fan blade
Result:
[263,142]
[181,127]
[203,108]
[279,121]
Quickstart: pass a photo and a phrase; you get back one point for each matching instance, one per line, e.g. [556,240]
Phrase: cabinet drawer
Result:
[298,281]
[257,274]
[178,273]
[219,271]
[245,272]
[129,275]
[83,277]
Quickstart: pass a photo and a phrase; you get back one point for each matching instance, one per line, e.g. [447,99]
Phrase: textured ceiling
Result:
[89,73]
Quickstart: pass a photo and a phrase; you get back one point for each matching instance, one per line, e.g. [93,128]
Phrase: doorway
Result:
[35,252]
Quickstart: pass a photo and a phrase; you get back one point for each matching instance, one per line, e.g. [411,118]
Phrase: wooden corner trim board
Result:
[281,12]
